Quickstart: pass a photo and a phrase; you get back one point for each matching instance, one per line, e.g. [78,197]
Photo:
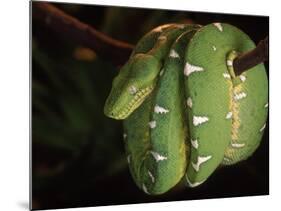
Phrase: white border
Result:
[246,7]
[14,93]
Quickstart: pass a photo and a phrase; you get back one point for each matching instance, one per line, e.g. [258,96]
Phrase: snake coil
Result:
[185,111]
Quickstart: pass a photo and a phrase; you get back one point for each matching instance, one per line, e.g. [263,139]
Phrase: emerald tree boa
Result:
[185,111]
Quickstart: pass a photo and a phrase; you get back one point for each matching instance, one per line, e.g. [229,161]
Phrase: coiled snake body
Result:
[185,111]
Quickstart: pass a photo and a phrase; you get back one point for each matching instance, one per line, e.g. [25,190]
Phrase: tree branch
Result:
[117,51]
[252,58]
[71,28]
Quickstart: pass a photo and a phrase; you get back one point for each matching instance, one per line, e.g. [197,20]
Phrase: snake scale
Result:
[185,111]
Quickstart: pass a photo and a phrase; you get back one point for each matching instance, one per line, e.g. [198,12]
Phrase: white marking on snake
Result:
[228,115]
[200,160]
[157,156]
[226,159]
[197,120]
[181,26]
[124,136]
[189,102]
[129,159]
[194,143]
[229,63]
[189,68]
[237,145]
[145,189]
[133,90]
[161,72]
[239,96]
[266,105]
[158,29]
[151,176]
[162,38]
[242,78]
[263,127]
[160,110]
[214,48]
[226,75]
[193,184]
[152,124]
[174,54]
[219,26]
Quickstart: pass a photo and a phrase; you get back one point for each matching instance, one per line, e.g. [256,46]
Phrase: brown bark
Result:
[252,58]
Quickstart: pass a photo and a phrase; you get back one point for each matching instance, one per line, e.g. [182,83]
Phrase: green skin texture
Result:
[187,112]
[141,72]
[167,138]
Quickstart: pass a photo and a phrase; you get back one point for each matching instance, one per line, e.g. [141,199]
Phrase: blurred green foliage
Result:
[67,104]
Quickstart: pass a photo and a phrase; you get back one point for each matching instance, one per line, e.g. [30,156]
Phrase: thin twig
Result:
[69,27]
[252,58]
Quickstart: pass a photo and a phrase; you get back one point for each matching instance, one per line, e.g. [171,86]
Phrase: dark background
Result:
[78,156]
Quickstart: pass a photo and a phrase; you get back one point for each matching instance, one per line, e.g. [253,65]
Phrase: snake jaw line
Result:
[139,97]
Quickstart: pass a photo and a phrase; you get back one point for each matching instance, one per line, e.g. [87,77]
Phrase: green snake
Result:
[185,111]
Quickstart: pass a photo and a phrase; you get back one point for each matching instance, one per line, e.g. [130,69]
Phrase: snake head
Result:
[136,80]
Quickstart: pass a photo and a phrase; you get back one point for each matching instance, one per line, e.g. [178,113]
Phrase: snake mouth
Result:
[139,97]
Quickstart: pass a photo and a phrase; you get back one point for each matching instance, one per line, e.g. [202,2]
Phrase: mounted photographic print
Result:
[134,105]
